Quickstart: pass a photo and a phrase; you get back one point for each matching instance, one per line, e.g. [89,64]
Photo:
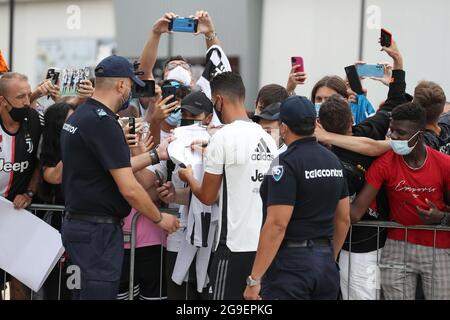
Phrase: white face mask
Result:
[401,147]
[180,74]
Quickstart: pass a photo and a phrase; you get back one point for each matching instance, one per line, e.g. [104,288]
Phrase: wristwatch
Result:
[252,282]
[444,220]
[154,156]
[30,194]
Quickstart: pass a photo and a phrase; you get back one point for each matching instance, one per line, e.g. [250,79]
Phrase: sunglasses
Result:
[173,65]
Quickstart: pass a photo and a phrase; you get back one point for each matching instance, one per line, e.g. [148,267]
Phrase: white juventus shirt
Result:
[242,152]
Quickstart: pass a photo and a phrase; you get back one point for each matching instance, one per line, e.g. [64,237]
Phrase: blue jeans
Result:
[309,273]
[98,250]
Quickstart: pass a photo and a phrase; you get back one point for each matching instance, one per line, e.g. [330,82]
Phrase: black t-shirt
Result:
[363,239]
[310,178]
[440,142]
[18,155]
[92,143]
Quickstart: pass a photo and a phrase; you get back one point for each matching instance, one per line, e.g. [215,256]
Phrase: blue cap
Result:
[117,67]
[298,112]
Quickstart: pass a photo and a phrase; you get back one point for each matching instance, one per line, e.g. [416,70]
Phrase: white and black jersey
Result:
[18,156]
[242,152]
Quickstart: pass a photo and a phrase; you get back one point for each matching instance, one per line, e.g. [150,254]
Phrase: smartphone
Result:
[53,74]
[182,24]
[385,38]
[132,124]
[353,79]
[147,91]
[167,91]
[370,70]
[297,62]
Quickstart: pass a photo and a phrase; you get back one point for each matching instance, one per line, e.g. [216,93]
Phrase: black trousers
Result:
[97,249]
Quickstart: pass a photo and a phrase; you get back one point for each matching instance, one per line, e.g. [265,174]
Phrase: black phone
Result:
[167,91]
[385,38]
[147,91]
[353,79]
[132,124]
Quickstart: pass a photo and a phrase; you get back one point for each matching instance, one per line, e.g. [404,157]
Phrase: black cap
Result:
[196,103]
[269,113]
[117,67]
[297,112]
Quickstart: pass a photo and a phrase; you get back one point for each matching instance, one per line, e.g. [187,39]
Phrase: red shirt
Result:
[407,188]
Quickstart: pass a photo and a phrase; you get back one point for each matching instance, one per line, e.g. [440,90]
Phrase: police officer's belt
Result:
[94,218]
[319,242]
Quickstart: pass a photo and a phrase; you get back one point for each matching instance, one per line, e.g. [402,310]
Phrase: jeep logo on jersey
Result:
[259,176]
[16,167]
[29,143]
[262,152]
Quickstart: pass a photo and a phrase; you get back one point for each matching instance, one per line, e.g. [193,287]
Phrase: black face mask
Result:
[218,113]
[18,114]
[189,122]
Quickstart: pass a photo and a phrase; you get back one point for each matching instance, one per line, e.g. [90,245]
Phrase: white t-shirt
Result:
[242,151]
[175,239]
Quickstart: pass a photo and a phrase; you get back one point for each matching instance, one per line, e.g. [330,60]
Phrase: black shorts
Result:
[149,278]
[229,271]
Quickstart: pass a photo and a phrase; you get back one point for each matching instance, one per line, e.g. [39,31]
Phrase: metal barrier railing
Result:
[50,210]
[393,225]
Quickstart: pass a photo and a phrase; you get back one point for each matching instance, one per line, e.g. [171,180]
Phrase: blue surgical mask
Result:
[401,147]
[317,106]
[174,119]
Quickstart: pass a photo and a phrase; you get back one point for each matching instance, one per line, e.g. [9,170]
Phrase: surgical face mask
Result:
[174,119]
[18,114]
[189,122]
[317,106]
[125,102]
[180,74]
[401,147]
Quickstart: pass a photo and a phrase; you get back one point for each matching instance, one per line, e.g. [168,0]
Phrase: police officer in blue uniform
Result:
[306,209]
[98,182]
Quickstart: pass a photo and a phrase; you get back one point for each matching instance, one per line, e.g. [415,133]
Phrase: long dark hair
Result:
[54,119]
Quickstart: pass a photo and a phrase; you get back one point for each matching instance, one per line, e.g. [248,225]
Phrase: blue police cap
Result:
[297,112]
[117,67]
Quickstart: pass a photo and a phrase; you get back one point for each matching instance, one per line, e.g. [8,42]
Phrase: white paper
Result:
[180,151]
[29,247]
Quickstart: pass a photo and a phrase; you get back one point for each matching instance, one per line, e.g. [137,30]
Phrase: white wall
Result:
[326,34]
[47,20]
[422,31]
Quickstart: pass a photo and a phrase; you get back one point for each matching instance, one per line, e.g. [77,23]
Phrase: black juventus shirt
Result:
[18,155]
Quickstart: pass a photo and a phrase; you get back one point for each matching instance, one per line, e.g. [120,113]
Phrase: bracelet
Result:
[154,156]
[160,219]
[214,35]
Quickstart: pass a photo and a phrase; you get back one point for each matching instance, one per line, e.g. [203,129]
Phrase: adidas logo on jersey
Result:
[16,167]
[262,152]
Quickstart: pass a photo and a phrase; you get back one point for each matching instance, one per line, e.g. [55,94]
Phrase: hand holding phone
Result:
[353,79]
[385,38]
[182,24]
[132,124]
[297,63]
[167,91]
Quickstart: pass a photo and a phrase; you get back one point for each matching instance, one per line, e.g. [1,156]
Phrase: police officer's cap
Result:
[298,112]
[117,67]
